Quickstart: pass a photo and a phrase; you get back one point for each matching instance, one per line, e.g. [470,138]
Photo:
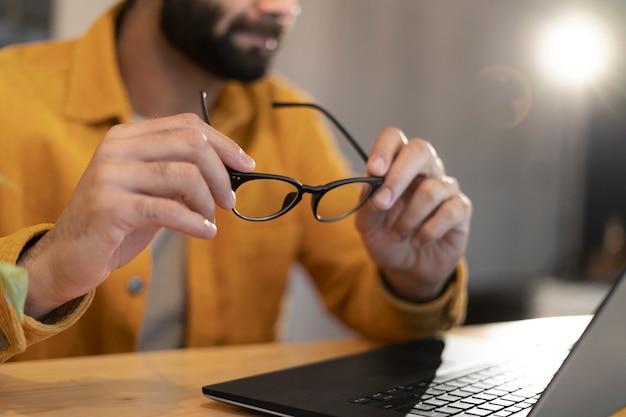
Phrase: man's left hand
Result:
[416,226]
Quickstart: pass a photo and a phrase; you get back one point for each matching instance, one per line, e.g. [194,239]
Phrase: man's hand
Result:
[167,172]
[417,224]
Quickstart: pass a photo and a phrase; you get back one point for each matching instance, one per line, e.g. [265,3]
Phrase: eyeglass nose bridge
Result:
[317,193]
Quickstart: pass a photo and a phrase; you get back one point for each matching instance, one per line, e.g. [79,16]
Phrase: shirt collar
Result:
[96,91]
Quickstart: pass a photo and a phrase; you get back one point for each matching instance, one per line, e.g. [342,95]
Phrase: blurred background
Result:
[525,101]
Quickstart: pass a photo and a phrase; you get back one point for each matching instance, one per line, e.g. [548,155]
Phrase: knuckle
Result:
[428,233]
[166,210]
[453,214]
[190,119]
[160,169]
[452,182]
[160,211]
[146,210]
[182,171]
[188,172]
[196,139]
[404,227]
[116,131]
[429,190]
[423,150]
[466,202]
[419,146]
[394,132]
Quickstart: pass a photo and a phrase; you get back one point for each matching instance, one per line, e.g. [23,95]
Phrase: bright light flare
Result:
[575,50]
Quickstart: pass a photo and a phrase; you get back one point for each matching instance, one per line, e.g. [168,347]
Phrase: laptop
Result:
[454,376]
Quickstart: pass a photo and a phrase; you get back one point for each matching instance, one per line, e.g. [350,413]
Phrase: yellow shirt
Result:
[58,100]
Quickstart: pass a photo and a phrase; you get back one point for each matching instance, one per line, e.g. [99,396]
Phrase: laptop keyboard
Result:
[496,391]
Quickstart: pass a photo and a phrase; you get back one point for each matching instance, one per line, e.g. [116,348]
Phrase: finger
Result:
[179,181]
[414,159]
[453,216]
[384,151]
[184,145]
[228,151]
[129,212]
[424,203]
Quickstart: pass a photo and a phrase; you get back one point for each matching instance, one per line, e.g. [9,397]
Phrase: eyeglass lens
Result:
[264,198]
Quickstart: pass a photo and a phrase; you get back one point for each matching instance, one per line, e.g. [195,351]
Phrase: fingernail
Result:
[211,226]
[247,158]
[232,199]
[383,197]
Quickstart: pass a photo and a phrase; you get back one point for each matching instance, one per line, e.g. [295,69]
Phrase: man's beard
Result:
[189,25]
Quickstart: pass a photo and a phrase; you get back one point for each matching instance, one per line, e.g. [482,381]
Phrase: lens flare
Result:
[575,49]
[504,96]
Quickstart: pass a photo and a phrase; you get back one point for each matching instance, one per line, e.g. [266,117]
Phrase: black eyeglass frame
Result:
[317,192]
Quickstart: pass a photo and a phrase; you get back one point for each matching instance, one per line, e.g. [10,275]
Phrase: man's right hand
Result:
[167,172]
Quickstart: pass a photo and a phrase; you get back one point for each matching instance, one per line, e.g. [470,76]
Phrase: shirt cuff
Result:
[58,319]
[451,303]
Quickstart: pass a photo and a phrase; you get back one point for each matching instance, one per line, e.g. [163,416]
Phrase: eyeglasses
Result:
[261,197]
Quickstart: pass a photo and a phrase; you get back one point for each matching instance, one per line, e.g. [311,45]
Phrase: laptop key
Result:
[461,393]
[496,392]
[473,390]
[478,412]
[434,391]
[462,405]
[445,387]
[513,398]
[503,403]
[436,402]
[475,401]
[522,413]
[486,397]
[491,407]
[424,407]
[421,413]
[449,398]
[361,400]
[448,410]
[395,403]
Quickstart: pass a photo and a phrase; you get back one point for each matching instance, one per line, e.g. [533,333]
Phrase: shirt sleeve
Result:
[444,312]
[17,330]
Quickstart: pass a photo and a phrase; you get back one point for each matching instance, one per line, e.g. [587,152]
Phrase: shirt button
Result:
[135,285]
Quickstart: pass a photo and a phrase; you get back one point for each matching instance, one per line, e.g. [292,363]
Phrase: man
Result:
[100,138]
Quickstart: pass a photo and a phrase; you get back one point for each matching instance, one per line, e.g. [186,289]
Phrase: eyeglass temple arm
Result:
[205,110]
[330,117]
[348,136]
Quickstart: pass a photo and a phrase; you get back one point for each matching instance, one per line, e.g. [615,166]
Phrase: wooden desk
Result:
[168,383]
